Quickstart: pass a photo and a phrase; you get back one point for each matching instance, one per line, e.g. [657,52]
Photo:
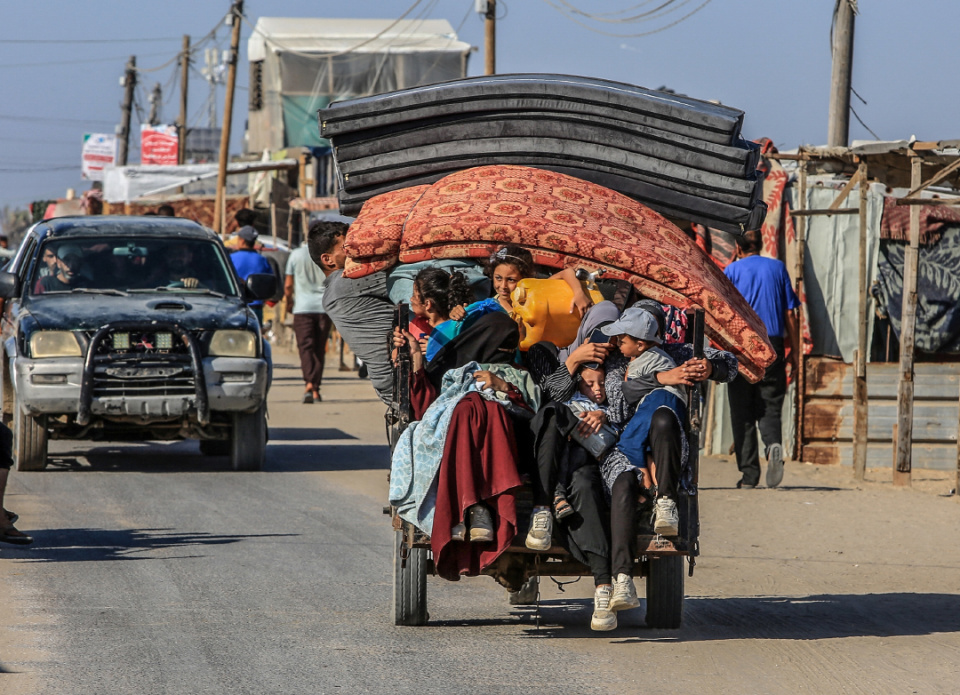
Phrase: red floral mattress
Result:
[565,222]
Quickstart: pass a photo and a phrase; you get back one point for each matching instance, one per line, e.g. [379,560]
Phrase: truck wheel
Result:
[409,585]
[248,440]
[665,592]
[29,440]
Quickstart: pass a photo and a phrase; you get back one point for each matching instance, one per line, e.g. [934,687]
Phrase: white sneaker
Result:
[481,524]
[541,529]
[624,593]
[666,521]
[603,618]
[458,532]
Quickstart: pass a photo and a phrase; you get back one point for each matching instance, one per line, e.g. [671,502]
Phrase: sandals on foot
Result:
[561,508]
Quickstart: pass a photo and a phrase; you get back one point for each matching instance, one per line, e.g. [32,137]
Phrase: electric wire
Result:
[643,16]
[302,54]
[631,36]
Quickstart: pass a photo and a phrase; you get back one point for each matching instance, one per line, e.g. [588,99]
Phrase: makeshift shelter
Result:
[879,278]
[300,65]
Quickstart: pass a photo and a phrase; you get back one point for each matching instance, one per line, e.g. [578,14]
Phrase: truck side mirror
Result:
[261,285]
[9,286]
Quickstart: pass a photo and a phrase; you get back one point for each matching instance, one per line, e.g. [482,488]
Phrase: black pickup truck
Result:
[131,328]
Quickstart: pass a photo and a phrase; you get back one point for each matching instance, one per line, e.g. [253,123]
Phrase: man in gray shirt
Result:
[363,313]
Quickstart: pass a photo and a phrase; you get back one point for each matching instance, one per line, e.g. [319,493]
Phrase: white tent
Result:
[299,65]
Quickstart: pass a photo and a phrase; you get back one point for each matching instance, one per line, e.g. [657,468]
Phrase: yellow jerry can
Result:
[542,308]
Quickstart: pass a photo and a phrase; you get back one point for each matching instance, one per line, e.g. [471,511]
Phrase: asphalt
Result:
[158,570]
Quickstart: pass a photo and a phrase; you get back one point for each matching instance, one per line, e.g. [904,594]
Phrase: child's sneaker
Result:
[667,522]
[603,618]
[624,593]
[541,529]
[481,524]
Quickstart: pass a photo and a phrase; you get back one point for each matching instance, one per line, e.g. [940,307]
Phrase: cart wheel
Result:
[409,585]
[665,592]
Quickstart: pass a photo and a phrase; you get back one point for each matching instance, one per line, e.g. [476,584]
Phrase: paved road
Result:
[156,570]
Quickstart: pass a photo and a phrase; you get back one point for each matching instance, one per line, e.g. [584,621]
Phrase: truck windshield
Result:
[126,264]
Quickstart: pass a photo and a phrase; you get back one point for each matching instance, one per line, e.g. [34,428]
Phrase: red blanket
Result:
[567,222]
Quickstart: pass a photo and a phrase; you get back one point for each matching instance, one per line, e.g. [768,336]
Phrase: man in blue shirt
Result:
[765,284]
[247,262]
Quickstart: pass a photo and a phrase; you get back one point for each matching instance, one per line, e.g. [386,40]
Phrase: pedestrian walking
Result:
[765,284]
[303,290]
[8,533]
[247,260]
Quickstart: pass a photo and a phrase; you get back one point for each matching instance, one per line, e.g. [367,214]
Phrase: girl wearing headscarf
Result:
[460,487]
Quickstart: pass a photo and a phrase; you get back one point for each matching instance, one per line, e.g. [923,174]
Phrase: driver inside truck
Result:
[67,274]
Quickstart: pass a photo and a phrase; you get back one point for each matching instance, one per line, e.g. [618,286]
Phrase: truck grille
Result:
[137,379]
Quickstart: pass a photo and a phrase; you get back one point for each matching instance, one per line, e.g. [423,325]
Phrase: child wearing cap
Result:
[638,336]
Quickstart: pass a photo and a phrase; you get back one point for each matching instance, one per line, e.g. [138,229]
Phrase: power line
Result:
[339,53]
[58,121]
[172,38]
[75,62]
[631,36]
[643,16]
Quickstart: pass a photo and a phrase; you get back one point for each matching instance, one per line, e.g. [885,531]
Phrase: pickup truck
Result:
[129,329]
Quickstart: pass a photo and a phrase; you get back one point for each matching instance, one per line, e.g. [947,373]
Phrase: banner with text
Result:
[99,151]
[158,144]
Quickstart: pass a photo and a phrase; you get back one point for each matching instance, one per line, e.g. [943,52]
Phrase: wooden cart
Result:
[660,560]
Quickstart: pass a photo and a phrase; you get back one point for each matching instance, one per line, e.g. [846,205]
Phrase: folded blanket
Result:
[419,451]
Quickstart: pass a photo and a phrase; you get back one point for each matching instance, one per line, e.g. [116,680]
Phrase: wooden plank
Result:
[828,378]
[860,362]
[908,326]
[828,213]
[833,420]
[845,191]
[800,391]
[940,457]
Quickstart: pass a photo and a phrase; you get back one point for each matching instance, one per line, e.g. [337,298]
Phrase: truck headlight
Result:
[54,344]
[233,344]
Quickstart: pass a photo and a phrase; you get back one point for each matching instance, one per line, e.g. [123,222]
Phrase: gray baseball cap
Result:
[637,323]
[248,234]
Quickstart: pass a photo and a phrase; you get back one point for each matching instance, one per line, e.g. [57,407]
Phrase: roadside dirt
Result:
[821,585]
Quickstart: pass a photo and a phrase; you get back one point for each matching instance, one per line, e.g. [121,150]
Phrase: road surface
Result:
[156,570]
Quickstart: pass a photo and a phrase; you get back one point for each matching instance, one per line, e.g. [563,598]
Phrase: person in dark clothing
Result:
[8,533]
[611,559]
[765,284]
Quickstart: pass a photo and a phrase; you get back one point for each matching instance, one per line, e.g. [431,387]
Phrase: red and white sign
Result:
[99,151]
[158,144]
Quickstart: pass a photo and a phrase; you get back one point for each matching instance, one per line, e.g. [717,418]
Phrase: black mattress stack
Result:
[682,157]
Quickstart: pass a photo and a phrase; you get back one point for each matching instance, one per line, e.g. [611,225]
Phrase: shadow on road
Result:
[293,458]
[822,616]
[284,455]
[98,545]
[307,434]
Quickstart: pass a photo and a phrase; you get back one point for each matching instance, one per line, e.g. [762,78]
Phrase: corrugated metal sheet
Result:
[828,416]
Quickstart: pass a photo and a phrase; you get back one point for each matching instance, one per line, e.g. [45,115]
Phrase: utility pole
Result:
[129,81]
[218,213]
[490,38]
[838,128]
[182,121]
[156,98]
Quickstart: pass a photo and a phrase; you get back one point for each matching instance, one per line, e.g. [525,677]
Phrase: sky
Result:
[61,63]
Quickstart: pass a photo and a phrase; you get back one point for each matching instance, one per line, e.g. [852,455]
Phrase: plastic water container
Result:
[543,309]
